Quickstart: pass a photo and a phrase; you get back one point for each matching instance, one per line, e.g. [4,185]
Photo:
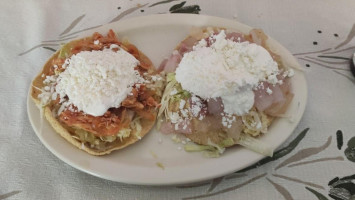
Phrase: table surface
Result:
[319,33]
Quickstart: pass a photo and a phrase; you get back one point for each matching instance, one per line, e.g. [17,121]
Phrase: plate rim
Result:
[156,182]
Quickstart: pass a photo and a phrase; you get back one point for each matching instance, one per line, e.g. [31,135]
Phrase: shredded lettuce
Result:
[170,77]
[136,125]
[255,145]
[156,84]
[208,151]
[181,94]
[164,108]
[218,147]
[255,123]
[109,138]
[65,51]
[227,142]
[197,148]
[85,136]
[211,150]
[90,138]
[170,100]
[123,133]
[211,154]
[99,142]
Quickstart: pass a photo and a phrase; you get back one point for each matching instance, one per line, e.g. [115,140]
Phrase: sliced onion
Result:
[167,128]
[186,45]
[262,99]
[173,62]
[162,65]
[236,37]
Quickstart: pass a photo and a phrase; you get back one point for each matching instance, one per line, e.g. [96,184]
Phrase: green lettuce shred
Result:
[65,50]
[212,150]
[255,145]
[198,148]
[227,143]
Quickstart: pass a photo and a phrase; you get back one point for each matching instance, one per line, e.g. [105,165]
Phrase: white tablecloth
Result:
[320,33]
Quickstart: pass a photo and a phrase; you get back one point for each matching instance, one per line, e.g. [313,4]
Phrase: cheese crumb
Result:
[227,120]
[173,92]
[182,104]
[196,106]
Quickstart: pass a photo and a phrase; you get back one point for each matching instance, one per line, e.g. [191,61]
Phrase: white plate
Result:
[157,36]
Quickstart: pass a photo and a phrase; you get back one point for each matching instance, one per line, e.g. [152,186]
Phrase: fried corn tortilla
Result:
[136,121]
[210,130]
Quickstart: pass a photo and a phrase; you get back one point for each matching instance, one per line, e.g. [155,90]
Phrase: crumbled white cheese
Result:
[47,92]
[66,63]
[196,106]
[269,91]
[185,113]
[94,81]
[182,104]
[291,73]
[238,103]
[155,77]
[288,73]
[50,79]
[114,46]
[227,120]
[174,117]
[173,92]
[226,69]
[96,42]
[261,86]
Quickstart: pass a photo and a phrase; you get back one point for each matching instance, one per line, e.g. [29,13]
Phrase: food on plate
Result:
[99,93]
[224,88]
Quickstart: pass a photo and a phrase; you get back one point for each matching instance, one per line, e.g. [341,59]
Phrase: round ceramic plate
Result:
[157,36]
